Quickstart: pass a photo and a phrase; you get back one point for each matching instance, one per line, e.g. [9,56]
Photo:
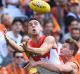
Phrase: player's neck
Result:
[36,38]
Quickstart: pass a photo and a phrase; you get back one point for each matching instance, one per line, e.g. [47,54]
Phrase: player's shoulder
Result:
[50,39]
[77,58]
[75,61]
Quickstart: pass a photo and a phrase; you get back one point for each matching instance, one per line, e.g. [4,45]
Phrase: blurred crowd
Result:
[63,22]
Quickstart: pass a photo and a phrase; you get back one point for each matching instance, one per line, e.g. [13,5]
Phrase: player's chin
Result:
[35,34]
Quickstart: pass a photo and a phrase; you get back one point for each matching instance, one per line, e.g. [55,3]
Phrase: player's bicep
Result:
[48,43]
[50,40]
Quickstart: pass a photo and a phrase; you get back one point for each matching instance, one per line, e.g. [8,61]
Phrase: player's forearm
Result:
[49,66]
[56,67]
[40,51]
[13,44]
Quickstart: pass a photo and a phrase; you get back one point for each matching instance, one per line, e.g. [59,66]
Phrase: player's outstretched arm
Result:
[13,44]
[65,68]
[48,44]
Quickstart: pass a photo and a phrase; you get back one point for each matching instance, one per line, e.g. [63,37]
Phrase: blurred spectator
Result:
[13,8]
[24,27]
[28,11]
[1,3]
[25,38]
[23,5]
[79,40]
[47,27]
[15,30]
[3,70]
[17,65]
[6,20]
[56,24]
[59,11]
[4,52]
[1,7]
[75,9]
[74,31]
[52,3]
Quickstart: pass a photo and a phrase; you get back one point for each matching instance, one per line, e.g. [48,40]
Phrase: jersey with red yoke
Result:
[51,56]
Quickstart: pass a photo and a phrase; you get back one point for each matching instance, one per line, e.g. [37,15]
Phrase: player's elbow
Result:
[43,53]
[20,49]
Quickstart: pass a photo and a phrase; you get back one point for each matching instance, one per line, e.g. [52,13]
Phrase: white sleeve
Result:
[54,57]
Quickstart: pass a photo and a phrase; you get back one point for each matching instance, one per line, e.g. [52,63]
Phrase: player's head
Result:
[70,47]
[34,27]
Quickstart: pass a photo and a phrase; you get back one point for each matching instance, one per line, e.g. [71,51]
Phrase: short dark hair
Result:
[2,17]
[73,45]
[25,20]
[32,19]
[69,20]
[16,20]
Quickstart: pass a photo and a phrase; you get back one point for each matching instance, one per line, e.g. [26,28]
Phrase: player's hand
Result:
[34,64]
[25,45]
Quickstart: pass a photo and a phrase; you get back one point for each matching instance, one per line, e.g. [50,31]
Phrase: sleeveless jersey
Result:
[51,56]
[37,45]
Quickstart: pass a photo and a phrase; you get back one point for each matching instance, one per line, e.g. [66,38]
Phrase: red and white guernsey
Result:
[51,56]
